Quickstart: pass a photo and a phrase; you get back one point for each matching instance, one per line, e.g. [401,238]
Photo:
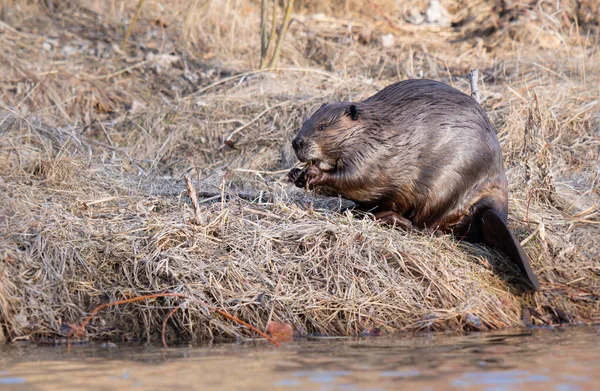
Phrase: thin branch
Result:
[473,78]
[242,127]
[241,75]
[194,197]
[131,26]
[115,303]
[81,328]
[263,31]
[164,324]
[284,27]
[272,35]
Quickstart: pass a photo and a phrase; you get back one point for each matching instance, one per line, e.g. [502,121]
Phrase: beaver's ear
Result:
[352,111]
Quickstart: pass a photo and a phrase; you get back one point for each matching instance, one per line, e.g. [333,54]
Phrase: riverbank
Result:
[96,141]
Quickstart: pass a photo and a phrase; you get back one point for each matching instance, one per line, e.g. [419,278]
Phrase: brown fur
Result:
[418,153]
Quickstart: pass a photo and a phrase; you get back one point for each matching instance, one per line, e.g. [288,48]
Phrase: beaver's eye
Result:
[322,127]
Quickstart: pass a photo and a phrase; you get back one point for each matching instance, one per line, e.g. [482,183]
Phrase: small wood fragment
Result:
[473,78]
[194,197]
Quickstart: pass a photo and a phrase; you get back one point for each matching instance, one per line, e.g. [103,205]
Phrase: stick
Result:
[131,26]
[263,32]
[111,304]
[194,197]
[272,34]
[473,77]
[284,27]
[164,325]
[241,75]
[156,295]
[242,127]
[117,73]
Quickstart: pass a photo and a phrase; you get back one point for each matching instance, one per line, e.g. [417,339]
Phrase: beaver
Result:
[418,154]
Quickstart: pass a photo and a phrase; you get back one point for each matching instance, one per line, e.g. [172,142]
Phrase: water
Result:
[560,360]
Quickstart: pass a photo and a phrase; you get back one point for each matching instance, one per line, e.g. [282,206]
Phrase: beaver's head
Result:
[326,137]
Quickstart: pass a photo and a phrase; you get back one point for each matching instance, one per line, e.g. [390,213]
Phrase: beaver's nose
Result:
[297,143]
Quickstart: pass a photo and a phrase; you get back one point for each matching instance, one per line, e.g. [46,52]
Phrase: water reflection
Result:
[561,360]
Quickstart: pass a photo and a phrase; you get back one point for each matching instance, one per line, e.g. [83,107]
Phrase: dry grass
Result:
[95,142]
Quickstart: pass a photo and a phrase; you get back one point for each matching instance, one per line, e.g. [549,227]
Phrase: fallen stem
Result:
[164,325]
[131,26]
[81,328]
[271,36]
[194,198]
[263,31]
[115,303]
[473,79]
[244,126]
[241,75]
[284,26]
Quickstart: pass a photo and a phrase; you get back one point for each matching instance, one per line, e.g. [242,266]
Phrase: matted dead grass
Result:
[95,142]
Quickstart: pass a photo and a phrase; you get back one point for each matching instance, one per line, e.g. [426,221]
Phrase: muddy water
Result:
[561,360]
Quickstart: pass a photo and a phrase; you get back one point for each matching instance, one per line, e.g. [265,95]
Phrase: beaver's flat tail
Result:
[496,234]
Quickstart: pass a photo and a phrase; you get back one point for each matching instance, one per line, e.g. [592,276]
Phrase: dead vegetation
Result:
[95,142]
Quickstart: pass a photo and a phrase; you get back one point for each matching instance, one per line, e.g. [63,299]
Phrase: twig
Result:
[115,303]
[231,317]
[242,127]
[194,197]
[278,172]
[81,328]
[473,78]
[205,194]
[164,324]
[271,35]
[573,288]
[131,26]
[117,73]
[249,196]
[106,134]
[263,32]
[284,26]
[18,115]
[242,75]
[597,171]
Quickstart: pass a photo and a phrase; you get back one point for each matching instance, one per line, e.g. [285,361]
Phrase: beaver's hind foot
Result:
[389,217]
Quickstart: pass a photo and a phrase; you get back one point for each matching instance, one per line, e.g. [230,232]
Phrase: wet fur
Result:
[419,148]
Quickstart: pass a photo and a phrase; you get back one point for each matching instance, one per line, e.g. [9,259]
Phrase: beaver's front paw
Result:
[309,177]
[315,176]
[298,177]
[294,174]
